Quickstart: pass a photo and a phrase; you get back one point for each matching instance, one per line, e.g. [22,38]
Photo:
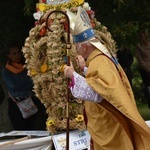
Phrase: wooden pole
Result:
[9,143]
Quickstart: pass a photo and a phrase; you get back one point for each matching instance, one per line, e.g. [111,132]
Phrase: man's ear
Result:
[84,46]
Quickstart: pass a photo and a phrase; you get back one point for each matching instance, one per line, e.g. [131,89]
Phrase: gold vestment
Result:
[115,123]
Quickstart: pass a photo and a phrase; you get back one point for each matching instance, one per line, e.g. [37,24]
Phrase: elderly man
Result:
[111,115]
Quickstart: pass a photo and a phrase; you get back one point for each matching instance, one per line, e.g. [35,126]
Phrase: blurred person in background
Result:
[143,58]
[20,86]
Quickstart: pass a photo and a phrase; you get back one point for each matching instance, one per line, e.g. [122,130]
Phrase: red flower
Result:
[42,32]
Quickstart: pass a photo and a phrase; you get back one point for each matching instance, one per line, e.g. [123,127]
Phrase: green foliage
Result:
[137,83]
[123,18]
[29,7]
[129,19]
[125,34]
[11,28]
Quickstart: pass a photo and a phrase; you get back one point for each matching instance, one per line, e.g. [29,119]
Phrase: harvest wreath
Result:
[45,54]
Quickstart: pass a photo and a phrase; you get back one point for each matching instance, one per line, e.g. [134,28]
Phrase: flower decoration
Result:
[44,68]
[45,59]
[42,32]
[49,123]
[37,15]
[79,118]
[33,72]
[86,6]
[62,67]
[46,56]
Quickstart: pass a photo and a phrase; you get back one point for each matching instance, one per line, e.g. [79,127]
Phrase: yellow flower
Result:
[64,52]
[33,72]
[61,69]
[50,123]
[44,68]
[79,118]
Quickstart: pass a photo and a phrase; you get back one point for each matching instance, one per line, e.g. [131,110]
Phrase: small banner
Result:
[59,4]
[78,140]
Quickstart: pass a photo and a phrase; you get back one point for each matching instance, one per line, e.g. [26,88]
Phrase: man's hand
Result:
[80,62]
[68,70]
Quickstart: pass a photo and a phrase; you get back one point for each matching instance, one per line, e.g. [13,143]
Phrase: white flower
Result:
[86,6]
[37,15]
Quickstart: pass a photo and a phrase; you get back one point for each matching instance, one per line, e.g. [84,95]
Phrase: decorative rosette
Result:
[45,54]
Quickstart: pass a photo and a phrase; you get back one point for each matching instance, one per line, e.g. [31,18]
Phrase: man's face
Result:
[78,47]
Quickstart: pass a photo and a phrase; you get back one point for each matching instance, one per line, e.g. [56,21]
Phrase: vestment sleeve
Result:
[81,90]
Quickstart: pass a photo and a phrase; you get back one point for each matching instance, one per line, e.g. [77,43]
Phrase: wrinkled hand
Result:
[80,61]
[68,71]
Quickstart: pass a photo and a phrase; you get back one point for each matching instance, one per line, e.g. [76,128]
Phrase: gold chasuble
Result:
[115,123]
